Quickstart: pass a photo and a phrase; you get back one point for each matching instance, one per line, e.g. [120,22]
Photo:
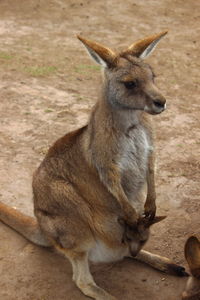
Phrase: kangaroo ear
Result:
[101,54]
[144,47]
[192,255]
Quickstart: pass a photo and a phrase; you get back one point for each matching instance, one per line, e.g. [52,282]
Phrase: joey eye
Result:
[130,84]
[142,242]
[128,239]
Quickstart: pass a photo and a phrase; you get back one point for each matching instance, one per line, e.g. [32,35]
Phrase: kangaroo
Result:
[192,255]
[87,192]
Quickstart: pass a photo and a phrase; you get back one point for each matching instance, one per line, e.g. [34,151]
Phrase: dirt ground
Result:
[47,88]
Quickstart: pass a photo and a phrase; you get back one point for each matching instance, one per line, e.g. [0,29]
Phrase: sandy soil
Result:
[48,86]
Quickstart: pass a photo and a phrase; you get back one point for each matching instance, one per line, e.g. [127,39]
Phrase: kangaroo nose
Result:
[159,104]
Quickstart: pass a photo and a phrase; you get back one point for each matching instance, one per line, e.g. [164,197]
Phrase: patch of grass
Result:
[81,98]
[37,71]
[86,68]
[172,175]
[48,110]
[6,56]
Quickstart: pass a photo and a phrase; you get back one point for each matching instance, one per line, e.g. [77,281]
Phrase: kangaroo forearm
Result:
[128,210]
[111,180]
[150,203]
[151,193]
[151,184]
[151,178]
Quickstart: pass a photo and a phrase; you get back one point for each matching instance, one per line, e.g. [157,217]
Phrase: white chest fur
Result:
[133,159]
[135,148]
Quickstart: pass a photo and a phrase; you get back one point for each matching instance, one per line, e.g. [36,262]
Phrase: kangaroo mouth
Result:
[154,110]
[158,108]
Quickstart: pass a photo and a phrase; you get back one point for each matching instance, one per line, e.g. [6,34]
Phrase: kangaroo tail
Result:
[25,225]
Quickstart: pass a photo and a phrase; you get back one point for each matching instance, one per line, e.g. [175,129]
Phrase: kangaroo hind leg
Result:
[82,276]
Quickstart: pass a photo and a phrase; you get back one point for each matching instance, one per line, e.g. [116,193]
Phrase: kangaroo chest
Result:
[133,159]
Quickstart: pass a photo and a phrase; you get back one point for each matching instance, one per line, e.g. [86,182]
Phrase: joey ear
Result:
[147,221]
[121,221]
[158,219]
[99,53]
[192,255]
[144,47]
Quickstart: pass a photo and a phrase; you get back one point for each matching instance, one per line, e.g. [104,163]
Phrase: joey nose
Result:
[134,254]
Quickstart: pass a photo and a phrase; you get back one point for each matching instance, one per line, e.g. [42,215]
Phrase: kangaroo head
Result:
[192,255]
[129,81]
[137,236]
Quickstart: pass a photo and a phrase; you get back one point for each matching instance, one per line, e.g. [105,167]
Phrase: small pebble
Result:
[163,279]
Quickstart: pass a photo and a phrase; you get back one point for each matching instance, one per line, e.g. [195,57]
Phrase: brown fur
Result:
[106,53]
[93,177]
[192,255]
[139,46]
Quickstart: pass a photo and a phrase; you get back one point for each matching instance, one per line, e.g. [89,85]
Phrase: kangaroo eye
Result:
[154,76]
[130,84]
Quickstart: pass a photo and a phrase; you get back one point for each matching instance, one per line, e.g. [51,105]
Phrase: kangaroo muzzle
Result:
[159,105]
